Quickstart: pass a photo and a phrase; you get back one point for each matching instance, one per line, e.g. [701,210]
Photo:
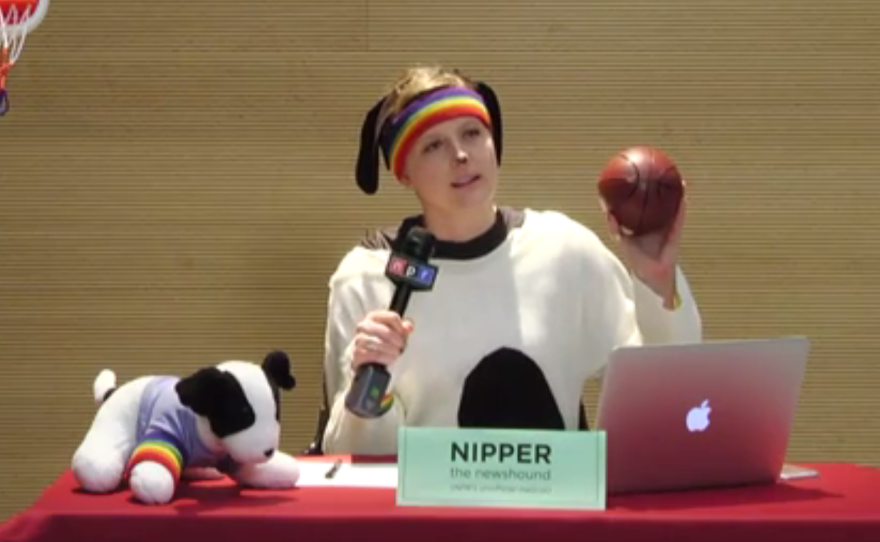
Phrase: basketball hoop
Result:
[18,18]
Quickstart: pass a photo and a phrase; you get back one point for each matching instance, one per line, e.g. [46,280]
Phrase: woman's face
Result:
[452,166]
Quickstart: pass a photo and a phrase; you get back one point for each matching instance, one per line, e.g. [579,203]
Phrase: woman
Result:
[526,306]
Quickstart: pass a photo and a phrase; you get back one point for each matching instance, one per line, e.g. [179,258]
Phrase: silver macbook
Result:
[710,414]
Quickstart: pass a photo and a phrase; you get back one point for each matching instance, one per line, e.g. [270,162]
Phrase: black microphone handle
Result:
[401,298]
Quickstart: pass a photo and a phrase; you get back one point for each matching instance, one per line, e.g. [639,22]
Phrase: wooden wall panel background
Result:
[176,182]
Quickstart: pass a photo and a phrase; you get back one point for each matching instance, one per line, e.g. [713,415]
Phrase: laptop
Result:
[699,415]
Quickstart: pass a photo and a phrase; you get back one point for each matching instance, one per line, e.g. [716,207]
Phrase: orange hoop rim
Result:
[4,4]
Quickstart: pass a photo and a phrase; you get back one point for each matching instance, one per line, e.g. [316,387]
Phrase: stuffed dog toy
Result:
[156,430]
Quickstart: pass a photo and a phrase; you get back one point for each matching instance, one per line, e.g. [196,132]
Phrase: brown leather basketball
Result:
[642,188]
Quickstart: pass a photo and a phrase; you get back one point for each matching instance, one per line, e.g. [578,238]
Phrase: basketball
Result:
[642,188]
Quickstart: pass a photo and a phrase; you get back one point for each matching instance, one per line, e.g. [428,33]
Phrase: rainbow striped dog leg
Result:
[159,449]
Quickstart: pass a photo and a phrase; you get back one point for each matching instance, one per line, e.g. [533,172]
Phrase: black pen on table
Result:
[333,469]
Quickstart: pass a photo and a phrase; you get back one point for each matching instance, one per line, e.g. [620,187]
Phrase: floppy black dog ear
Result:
[201,390]
[494,107]
[276,365]
[367,171]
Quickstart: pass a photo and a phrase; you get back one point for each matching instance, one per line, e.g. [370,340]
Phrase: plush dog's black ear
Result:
[367,171]
[277,369]
[201,390]
[494,107]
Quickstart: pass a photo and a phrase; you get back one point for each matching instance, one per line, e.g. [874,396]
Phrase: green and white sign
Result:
[501,467]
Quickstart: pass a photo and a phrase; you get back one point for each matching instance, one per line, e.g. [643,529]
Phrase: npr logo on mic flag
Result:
[397,266]
[417,274]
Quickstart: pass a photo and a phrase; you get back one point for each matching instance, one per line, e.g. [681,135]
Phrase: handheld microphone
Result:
[410,271]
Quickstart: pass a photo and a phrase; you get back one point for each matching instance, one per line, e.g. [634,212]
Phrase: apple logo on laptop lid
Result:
[698,417]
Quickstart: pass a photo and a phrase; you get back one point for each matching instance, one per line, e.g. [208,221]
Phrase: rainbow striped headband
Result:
[421,114]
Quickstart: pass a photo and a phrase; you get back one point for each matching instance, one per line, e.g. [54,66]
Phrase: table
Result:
[842,504]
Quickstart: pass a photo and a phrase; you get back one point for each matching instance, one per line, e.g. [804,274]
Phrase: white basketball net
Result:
[13,30]
[15,24]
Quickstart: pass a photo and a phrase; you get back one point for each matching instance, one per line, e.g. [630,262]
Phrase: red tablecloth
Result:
[843,504]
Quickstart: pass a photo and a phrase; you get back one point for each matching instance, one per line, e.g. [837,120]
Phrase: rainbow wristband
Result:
[386,403]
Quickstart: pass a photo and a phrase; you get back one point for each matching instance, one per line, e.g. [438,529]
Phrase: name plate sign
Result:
[501,467]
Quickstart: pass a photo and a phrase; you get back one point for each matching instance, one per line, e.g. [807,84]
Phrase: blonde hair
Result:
[416,81]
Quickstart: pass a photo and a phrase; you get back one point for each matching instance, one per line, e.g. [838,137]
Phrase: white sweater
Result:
[529,318]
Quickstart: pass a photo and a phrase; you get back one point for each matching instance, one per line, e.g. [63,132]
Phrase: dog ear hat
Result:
[386,138]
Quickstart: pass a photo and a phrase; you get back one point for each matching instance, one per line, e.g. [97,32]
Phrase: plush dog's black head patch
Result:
[218,396]
[241,403]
